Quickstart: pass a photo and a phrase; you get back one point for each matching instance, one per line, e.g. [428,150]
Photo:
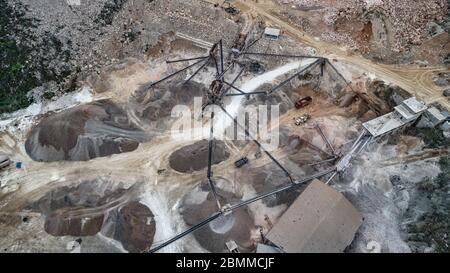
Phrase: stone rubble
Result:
[410,19]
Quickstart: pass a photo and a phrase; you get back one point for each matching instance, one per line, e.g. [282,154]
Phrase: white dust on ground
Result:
[19,122]
[221,120]
[371,192]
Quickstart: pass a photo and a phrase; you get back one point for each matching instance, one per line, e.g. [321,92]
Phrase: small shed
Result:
[321,219]
[273,33]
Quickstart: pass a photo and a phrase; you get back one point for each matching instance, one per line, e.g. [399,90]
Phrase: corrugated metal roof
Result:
[414,105]
[405,112]
[384,124]
[436,114]
[272,31]
[320,220]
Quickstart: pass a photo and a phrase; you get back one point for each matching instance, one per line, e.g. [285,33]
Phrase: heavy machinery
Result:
[302,119]
[303,102]
[227,7]
[232,246]
[255,67]
[241,162]
[219,89]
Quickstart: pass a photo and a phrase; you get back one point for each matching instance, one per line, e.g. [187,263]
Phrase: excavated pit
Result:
[199,204]
[195,157]
[84,132]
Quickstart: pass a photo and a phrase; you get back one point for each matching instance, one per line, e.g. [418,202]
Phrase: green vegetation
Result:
[24,62]
[433,137]
[109,10]
[433,227]
[16,77]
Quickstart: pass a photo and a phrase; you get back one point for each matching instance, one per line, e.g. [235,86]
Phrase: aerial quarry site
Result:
[175,126]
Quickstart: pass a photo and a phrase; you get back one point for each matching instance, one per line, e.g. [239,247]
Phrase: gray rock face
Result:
[441,82]
[447,92]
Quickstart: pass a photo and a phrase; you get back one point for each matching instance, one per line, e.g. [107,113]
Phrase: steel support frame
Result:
[280,55]
[210,159]
[258,144]
[293,183]
[175,73]
[186,60]
[309,66]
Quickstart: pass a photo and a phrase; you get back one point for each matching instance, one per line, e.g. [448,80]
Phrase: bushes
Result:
[109,10]
[24,61]
[433,137]
[433,227]
[16,78]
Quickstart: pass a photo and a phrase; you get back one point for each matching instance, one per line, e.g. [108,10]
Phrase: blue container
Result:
[18,165]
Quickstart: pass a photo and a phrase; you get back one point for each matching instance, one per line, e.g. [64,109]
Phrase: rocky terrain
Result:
[101,169]
[58,49]
[381,29]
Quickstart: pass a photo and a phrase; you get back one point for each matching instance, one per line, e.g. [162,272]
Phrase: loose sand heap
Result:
[94,207]
[200,204]
[195,157]
[156,103]
[77,211]
[267,179]
[133,225]
[84,132]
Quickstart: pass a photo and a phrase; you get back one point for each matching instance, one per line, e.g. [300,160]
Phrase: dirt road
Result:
[415,80]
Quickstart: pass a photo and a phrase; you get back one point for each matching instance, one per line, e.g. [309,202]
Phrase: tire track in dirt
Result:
[417,81]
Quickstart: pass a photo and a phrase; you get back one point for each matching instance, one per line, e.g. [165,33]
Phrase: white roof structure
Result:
[273,32]
[404,113]
[435,116]
[384,124]
[320,220]
[414,105]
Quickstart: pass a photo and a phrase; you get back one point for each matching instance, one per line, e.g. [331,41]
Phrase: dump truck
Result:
[303,102]
[241,162]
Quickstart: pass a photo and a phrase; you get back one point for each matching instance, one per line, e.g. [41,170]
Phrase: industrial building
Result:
[434,117]
[273,33]
[405,113]
[320,220]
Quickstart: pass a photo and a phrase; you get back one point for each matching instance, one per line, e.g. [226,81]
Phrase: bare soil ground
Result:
[156,183]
